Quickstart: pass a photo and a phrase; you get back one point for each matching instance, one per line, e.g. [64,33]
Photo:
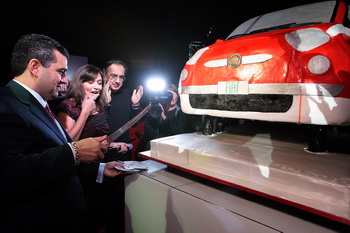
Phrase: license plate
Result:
[233,88]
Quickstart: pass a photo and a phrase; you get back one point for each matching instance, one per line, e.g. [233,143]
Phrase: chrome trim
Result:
[258,58]
[245,60]
[309,89]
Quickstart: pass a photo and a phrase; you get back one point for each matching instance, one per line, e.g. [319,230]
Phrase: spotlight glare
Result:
[156,84]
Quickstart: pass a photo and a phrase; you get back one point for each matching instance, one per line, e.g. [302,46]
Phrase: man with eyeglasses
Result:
[123,106]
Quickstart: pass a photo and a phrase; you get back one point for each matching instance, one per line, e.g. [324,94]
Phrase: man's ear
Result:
[33,66]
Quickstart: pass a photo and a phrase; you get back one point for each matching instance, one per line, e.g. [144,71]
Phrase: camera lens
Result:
[155,111]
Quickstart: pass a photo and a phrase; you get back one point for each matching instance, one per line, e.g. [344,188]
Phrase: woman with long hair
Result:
[84,113]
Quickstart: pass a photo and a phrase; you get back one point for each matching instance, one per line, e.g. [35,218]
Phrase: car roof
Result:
[313,13]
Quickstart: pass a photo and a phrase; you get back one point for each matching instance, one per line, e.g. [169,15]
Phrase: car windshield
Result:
[296,16]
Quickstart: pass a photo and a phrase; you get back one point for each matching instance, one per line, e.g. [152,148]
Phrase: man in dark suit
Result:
[40,189]
[123,106]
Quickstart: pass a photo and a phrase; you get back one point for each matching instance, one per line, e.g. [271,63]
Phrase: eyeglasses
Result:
[115,77]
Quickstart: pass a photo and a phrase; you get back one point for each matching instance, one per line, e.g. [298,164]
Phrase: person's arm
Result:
[32,156]
[75,127]
[136,96]
[135,101]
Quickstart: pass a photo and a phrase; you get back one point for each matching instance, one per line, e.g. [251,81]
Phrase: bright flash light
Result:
[156,84]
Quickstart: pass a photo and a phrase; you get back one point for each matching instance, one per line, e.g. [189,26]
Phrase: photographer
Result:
[167,119]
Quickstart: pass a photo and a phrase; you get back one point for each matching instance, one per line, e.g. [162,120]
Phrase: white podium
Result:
[252,182]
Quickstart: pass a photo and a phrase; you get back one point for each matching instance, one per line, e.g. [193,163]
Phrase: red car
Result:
[291,65]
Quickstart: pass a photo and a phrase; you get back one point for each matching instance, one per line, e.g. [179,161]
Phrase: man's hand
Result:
[120,146]
[136,95]
[90,149]
[110,169]
[162,115]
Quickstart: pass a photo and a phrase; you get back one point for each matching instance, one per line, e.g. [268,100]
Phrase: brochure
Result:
[132,166]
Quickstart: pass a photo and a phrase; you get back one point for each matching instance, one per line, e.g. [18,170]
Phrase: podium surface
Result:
[265,161]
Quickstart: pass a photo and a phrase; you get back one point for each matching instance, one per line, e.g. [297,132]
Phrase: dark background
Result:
[150,37]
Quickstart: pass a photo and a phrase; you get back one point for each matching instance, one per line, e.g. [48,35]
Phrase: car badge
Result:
[234,61]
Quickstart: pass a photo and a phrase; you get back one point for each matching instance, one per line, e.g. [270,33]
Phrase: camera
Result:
[163,99]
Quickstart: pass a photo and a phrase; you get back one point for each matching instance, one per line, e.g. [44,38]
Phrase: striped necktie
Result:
[49,111]
[47,108]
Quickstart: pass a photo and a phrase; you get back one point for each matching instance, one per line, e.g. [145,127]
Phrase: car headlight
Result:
[319,64]
[307,39]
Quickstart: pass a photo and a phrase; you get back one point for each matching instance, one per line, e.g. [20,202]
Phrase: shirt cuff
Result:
[135,106]
[101,168]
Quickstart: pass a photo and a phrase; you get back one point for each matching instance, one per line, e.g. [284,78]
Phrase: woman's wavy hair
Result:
[76,91]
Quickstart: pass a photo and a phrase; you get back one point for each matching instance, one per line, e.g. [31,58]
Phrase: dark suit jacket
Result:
[40,189]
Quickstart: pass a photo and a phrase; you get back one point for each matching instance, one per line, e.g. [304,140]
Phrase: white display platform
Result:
[173,201]
[264,164]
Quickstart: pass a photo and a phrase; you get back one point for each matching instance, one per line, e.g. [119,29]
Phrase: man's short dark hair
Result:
[114,61]
[34,46]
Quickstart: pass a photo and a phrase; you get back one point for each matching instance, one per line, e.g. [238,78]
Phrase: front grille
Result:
[247,103]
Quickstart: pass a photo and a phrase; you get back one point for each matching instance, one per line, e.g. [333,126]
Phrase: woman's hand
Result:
[88,105]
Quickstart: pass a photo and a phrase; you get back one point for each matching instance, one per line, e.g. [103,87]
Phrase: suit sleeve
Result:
[30,156]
